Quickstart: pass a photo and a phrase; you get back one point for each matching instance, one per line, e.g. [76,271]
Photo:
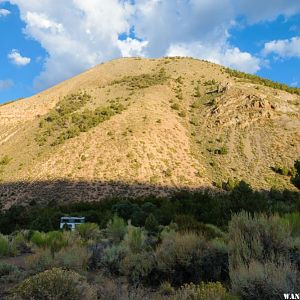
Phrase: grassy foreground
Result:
[239,244]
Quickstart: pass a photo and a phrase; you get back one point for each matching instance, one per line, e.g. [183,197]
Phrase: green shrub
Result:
[109,288]
[6,269]
[260,266]
[9,273]
[40,261]
[222,151]
[285,171]
[282,170]
[39,239]
[187,257]
[182,114]
[8,246]
[211,263]
[203,291]
[5,160]
[259,238]
[67,120]
[266,82]
[125,209]
[210,82]
[197,92]
[293,221]
[296,181]
[55,241]
[215,232]
[179,96]
[175,106]
[4,245]
[268,280]
[166,289]
[112,258]
[175,256]
[134,239]
[88,231]
[71,238]
[189,223]
[151,224]
[74,258]
[197,104]
[229,185]
[116,229]
[137,266]
[54,284]
[144,80]
[19,242]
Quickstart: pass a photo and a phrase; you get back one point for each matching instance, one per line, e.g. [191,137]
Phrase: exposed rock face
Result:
[223,88]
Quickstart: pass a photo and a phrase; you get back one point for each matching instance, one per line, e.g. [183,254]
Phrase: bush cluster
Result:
[222,151]
[12,245]
[293,172]
[54,284]
[204,291]
[201,207]
[67,120]
[262,81]
[296,176]
[5,160]
[260,257]
[256,258]
[144,80]
[9,273]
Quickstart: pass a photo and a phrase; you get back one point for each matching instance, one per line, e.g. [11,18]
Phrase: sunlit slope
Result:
[169,122]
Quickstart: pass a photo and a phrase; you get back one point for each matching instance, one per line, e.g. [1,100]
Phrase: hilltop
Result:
[136,126]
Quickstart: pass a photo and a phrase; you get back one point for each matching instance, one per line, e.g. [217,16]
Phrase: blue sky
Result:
[252,39]
[43,45]
[21,77]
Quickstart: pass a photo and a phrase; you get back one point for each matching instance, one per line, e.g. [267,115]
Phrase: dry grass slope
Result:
[173,122]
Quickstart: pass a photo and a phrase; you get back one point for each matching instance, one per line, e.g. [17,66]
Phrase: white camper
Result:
[71,222]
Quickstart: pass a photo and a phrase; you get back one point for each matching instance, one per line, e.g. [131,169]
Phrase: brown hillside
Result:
[166,123]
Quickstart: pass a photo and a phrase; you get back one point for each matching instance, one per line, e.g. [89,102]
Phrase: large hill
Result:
[139,126]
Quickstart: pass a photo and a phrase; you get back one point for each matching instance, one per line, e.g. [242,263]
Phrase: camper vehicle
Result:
[70,222]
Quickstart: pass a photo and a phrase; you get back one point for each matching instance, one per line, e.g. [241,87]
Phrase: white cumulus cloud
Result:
[4,12]
[198,29]
[76,34]
[40,21]
[220,54]
[132,47]
[283,48]
[79,34]
[16,58]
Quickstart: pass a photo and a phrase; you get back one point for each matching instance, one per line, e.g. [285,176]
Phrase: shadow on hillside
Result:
[64,191]
[39,205]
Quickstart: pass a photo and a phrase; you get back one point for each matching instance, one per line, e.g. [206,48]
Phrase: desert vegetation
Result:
[189,209]
[293,172]
[262,81]
[167,213]
[138,252]
[193,100]
[143,81]
[69,118]
[4,161]
[227,245]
